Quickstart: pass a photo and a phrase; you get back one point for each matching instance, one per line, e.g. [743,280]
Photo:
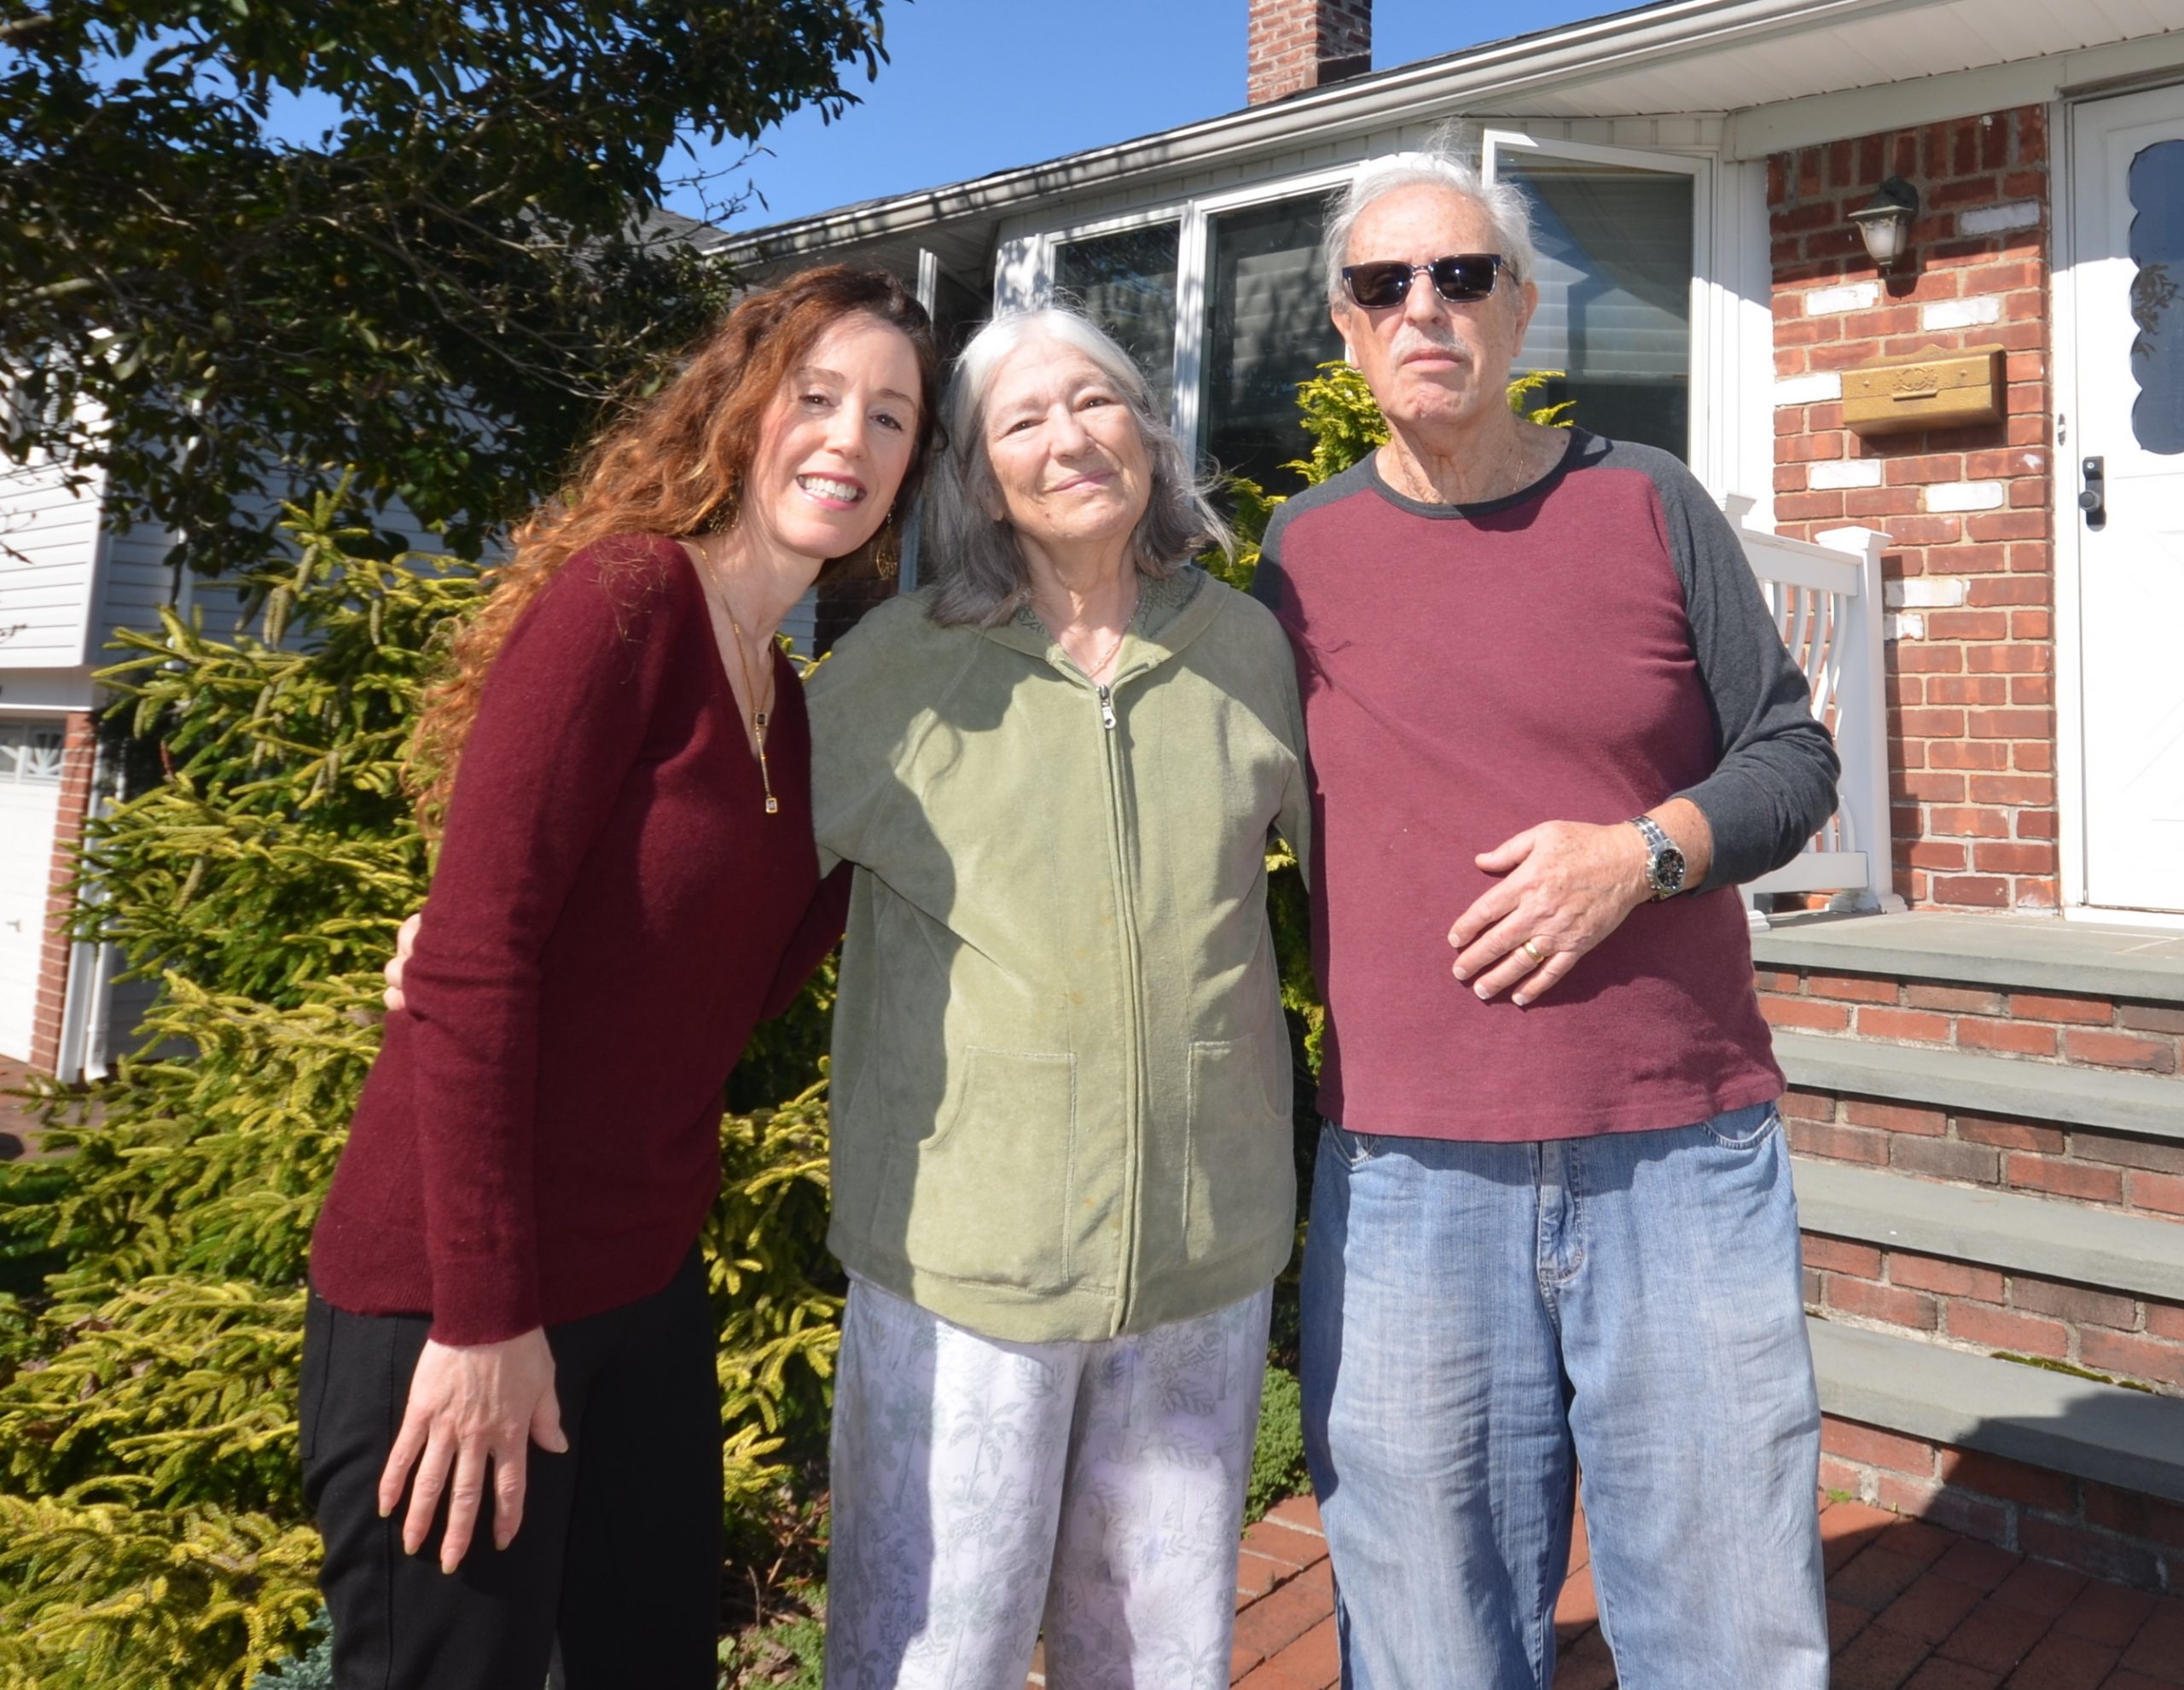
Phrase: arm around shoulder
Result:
[864,699]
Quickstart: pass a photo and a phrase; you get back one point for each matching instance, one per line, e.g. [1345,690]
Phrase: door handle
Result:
[2094,501]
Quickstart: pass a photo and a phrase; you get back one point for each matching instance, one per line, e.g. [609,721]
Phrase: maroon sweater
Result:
[1579,651]
[612,913]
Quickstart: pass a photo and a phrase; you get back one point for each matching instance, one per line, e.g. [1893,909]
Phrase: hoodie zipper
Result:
[1133,989]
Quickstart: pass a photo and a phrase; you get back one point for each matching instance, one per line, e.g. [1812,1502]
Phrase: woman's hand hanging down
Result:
[472,1407]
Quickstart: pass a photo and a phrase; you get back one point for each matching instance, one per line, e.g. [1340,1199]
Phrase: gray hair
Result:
[978,569]
[1507,206]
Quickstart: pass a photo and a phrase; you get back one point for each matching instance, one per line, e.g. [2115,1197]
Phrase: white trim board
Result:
[1758,131]
[2069,532]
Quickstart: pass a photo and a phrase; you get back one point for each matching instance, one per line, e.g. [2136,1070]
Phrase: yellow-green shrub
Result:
[152,1530]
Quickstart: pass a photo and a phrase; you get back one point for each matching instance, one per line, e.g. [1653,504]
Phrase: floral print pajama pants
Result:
[983,1489]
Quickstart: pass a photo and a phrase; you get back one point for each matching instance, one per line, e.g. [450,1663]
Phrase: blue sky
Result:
[978,85]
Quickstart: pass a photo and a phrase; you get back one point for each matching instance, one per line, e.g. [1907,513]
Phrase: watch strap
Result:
[1660,850]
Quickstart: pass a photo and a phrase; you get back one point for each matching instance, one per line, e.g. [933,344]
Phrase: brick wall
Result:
[1971,574]
[1292,45]
[2122,1535]
[78,757]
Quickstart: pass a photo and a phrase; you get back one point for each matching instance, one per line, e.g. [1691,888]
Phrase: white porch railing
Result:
[1826,599]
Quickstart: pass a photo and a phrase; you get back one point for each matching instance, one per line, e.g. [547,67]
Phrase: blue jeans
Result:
[1481,1322]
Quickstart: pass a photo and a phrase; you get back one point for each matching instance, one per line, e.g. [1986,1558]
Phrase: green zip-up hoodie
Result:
[1061,1084]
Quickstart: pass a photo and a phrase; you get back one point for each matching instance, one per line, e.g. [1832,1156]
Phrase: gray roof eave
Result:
[1562,59]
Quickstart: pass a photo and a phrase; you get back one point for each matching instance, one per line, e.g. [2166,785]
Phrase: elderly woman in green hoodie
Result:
[1062,1178]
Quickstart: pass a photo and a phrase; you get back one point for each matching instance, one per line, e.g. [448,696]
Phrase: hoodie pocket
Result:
[986,1197]
[1239,1180]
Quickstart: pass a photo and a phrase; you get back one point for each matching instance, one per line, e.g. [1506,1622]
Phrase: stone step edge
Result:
[2005,952]
[2129,1439]
[2149,1104]
[2054,1238]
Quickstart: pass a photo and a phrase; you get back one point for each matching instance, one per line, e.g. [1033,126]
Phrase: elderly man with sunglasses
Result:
[1552,727]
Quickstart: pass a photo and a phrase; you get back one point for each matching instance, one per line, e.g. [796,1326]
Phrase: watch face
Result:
[1668,871]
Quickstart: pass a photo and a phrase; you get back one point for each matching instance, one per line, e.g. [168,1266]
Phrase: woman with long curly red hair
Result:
[618,766]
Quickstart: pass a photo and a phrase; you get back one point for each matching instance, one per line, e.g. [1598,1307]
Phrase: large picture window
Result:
[1221,301]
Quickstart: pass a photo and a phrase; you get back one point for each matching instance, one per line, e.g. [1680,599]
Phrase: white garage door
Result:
[30,803]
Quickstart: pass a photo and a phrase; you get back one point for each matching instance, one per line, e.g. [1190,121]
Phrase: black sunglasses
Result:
[1459,277]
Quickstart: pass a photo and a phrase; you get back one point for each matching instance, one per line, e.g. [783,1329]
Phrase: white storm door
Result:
[2126,444]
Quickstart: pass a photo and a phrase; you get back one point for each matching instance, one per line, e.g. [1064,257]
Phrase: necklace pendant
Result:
[773,805]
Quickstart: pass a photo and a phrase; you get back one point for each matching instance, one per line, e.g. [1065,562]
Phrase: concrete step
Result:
[2138,1256]
[2027,952]
[2128,1439]
[2150,1106]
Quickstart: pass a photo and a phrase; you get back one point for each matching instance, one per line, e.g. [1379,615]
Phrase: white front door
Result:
[2124,450]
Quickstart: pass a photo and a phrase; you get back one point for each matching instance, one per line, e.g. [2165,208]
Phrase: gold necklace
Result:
[1092,671]
[750,686]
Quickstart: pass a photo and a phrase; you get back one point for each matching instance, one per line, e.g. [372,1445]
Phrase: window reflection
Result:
[2156,190]
[1126,283]
[1267,329]
[1614,279]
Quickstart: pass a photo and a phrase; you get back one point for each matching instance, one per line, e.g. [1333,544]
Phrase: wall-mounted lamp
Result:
[1884,223]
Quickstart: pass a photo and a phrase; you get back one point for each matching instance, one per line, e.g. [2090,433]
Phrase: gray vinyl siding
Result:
[48,559]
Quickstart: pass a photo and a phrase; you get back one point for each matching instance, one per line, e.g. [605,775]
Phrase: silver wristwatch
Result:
[1664,864]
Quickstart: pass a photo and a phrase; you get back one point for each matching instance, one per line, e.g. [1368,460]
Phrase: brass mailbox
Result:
[1933,389]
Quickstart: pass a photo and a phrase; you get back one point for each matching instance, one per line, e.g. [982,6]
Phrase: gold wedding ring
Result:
[1531,947]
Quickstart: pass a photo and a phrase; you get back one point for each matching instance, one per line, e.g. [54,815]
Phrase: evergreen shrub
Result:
[152,1531]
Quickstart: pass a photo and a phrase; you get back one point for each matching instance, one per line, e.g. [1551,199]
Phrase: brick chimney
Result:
[1298,44]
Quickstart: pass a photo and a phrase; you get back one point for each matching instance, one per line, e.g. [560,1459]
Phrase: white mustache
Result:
[1424,342]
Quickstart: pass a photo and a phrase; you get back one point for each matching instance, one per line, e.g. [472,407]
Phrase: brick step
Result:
[2044,1019]
[2137,1256]
[2038,955]
[1989,1271]
[2064,1468]
[2148,1106]
[2096,1137]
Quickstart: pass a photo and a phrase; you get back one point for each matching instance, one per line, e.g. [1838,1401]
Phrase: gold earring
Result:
[887,549]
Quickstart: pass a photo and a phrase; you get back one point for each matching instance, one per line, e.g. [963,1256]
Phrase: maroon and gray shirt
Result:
[1580,650]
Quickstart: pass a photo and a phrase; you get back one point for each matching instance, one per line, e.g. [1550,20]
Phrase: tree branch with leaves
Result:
[442,288]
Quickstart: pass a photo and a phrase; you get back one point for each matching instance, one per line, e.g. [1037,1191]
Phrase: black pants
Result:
[618,1555]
